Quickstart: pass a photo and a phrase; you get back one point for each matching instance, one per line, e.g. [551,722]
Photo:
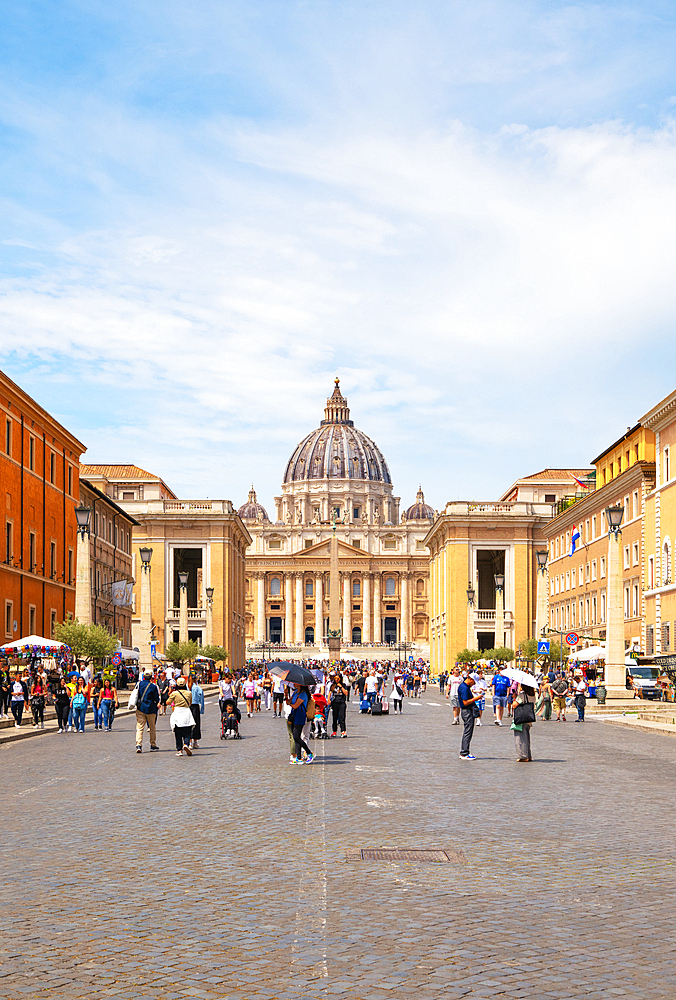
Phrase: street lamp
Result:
[146,555]
[83,517]
[470,593]
[210,615]
[541,593]
[499,581]
[542,555]
[499,610]
[210,593]
[183,580]
[614,517]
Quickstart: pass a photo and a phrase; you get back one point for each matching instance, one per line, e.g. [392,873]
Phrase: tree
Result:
[179,652]
[468,656]
[88,642]
[217,653]
[529,650]
[503,654]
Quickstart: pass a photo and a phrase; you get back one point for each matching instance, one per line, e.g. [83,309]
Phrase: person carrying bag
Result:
[524,717]
[181,719]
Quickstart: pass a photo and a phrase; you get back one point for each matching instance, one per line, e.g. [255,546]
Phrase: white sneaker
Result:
[60,730]
[17,726]
[479,722]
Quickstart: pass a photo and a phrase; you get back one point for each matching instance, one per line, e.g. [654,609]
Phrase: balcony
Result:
[194,614]
[482,619]
[519,508]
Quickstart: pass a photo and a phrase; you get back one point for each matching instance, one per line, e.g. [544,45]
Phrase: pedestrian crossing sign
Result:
[543,646]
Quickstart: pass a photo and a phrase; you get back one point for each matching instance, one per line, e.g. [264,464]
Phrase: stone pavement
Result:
[225,875]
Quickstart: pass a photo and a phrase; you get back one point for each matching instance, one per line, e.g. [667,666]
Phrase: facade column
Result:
[288,608]
[300,632]
[347,608]
[83,583]
[377,610]
[615,673]
[145,620]
[404,625]
[260,607]
[366,604]
[319,608]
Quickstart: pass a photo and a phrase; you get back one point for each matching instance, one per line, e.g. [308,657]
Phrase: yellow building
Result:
[660,532]
[577,589]
[204,538]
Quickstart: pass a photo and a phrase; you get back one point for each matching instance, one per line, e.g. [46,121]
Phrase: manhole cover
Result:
[381,854]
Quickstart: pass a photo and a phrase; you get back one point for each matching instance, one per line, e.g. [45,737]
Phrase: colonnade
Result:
[371,602]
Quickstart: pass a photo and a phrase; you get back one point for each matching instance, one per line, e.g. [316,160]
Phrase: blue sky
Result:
[465,210]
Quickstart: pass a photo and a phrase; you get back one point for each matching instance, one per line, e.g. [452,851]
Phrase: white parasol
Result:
[520,676]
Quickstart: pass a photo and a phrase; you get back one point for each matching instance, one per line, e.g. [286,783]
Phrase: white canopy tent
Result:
[596,653]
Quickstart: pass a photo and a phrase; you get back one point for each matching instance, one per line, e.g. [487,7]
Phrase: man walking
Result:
[500,685]
[146,710]
[560,690]
[466,700]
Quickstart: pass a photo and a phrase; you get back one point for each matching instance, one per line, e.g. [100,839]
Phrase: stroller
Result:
[318,724]
[230,720]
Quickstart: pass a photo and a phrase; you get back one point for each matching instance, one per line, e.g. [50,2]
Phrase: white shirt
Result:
[278,684]
[371,684]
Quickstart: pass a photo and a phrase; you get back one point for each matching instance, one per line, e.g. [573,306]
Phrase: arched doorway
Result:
[309,636]
[356,634]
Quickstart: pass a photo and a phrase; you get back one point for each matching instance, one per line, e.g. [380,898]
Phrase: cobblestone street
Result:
[228,874]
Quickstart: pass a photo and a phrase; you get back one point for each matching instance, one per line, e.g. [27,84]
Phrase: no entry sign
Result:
[572,638]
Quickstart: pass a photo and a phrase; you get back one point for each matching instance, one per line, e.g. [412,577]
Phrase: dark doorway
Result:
[488,563]
[275,629]
[390,629]
[485,640]
[195,637]
[356,634]
[188,561]
[309,636]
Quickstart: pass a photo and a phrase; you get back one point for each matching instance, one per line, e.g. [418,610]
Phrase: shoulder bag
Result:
[524,713]
[133,699]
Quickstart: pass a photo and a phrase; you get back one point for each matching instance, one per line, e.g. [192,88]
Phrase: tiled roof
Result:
[117,472]
[559,474]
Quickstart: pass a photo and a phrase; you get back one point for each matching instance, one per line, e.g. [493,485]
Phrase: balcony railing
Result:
[193,613]
[489,615]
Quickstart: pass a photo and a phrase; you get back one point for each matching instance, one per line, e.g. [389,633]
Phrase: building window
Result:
[636,553]
[420,588]
[275,543]
[127,496]
[390,587]
[586,612]
[356,513]
[309,588]
[635,503]
[8,437]
[667,469]
[70,565]
[665,637]
[603,567]
[9,615]
[389,544]
[603,607]
[336,512]
[356,588]
[275,586]
[593,610]
[551,555]
[70,480]
[593,569]
[31,454]
[627,601]
[572,614]
[627,515]
[550,497]
[52,560]
[581,574]
[587,572]
[52,623]
[356,542]
[586,530]
[52,469]
[626,557]
[9,542]
[308,543]
[594,526]
[31,554]
[651,573]
[31,619]
[635,601]
[649,640]
[557,548]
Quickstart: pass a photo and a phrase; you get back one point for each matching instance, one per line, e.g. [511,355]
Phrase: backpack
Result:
[79,701]
[311,709]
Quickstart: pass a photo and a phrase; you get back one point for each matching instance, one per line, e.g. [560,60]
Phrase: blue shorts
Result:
[500,699]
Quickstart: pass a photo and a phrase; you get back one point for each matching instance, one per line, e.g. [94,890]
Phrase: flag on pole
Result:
[580,482]
[574,539]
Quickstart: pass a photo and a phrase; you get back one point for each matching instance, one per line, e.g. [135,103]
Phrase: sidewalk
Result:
[9,734]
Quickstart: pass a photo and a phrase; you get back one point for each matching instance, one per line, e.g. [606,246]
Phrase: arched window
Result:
[390,587]
[275,587]
[309,588]
[420,588]
[309,636]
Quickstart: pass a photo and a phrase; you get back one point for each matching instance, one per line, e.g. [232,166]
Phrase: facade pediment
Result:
[322,550]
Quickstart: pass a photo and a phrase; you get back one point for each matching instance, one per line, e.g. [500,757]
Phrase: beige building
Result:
[203,538]
[337,475]
[660,533]
[110,561]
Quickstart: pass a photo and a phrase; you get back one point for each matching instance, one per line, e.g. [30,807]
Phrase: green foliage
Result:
[529,650]
[468,656]
[503,654]
[179,652]
[88,642]
[217,653]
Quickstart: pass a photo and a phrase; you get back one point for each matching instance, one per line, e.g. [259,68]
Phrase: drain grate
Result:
[399,854]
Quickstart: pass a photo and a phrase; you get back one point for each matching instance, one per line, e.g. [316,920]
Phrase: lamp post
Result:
[541,618]
[499,610]
[470,616]
[83,584]
[615,674]
[145,614]
[210,616]
[183,607]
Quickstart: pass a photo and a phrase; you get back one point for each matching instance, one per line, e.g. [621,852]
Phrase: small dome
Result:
[337,449]
[252,510]
[420,511]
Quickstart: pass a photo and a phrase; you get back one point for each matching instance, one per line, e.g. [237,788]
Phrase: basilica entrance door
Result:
[275,629]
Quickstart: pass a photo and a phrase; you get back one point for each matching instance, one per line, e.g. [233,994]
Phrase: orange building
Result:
[39,483]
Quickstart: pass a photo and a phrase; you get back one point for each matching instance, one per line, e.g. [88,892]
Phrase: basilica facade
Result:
[337,480]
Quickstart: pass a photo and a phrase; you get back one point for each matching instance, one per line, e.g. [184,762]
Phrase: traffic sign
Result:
[117,659]
[410,659]
[572,638]
[543,646]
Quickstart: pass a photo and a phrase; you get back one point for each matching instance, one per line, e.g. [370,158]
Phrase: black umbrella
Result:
[293,673]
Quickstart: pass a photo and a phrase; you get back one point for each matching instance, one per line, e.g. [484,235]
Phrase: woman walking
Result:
[250,695]
[18,700]
[181,719]
[525,696]
[108,703]
[298,698]
[338,705]
[266,684]
[97,687]
[38,694]
[62,705]
[397,695]
[79,706]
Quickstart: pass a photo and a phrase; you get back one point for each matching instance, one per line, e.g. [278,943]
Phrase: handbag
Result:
[524,713]
[133,699]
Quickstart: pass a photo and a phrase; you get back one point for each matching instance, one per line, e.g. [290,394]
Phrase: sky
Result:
[465,210]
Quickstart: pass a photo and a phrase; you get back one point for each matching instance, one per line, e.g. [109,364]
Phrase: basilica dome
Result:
[420,510]
[252,510]
[337,449]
